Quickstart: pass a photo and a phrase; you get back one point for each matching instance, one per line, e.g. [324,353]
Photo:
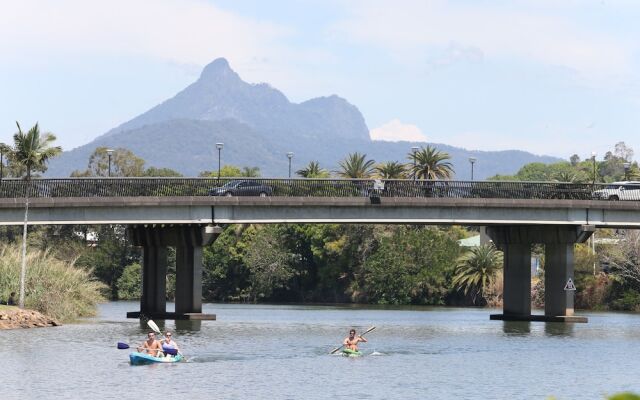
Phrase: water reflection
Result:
[559,329]
[516,328]
[188,325]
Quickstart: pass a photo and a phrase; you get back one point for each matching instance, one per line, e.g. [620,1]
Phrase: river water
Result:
[280,352]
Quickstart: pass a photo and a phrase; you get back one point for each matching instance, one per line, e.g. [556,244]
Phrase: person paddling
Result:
[151,346]
[169,343]
[352,341]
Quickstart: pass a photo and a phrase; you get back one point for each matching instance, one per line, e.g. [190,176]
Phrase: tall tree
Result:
[123,163]
[477,269]
[313,170]
[391,170]
[430,163]
[356,165]
[31,150]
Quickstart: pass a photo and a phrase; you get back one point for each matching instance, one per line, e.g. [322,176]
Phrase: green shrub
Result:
[130,282]
[53,287]
[629,301]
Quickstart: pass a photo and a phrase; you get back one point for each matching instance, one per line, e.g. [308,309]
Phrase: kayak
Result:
[143,358]
[351,353]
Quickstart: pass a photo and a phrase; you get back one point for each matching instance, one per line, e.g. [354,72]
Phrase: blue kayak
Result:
[144,358]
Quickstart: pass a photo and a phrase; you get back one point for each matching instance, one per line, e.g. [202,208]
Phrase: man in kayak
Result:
[352,341]
[169,343]
[151,346]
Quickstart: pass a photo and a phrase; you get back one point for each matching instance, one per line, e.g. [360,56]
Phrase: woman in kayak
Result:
[169,343]
[352,341]
[151,346]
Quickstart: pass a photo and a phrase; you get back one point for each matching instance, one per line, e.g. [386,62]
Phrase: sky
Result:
[546,76]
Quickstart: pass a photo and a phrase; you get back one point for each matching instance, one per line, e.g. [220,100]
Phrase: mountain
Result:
[258,126]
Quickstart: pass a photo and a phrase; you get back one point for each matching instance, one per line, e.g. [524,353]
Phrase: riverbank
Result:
[16,318]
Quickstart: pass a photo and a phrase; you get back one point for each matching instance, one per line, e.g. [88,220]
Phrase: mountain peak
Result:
[218,69]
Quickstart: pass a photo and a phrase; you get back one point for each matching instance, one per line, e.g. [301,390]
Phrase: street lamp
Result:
[109,153]
[593,157]
[472,160]
[626,166]
[219,146]
[1,161]
[290,156]
[414,150]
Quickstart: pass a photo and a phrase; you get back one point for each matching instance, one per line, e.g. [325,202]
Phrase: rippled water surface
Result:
[280,352]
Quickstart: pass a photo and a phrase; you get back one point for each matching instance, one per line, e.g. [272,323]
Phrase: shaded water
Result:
[280,352]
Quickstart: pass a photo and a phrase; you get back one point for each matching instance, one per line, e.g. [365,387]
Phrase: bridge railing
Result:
[148,187]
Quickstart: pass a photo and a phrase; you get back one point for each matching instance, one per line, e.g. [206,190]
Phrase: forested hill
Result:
[258,126]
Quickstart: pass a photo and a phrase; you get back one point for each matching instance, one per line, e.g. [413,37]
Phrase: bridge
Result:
[185,213]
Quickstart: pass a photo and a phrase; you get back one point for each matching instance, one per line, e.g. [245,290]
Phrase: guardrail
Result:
[146,187]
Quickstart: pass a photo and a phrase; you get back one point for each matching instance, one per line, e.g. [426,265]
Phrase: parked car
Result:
[625,190]
[242,188]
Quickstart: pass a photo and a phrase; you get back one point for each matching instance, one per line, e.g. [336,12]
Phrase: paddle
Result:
[173,352]
[361,335]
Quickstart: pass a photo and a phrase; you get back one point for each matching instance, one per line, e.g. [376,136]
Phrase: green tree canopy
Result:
[356,165]
[391,170]
[476,270]
[430,163]
[313,170]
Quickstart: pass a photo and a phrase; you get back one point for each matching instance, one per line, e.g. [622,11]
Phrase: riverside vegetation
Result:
[380,264]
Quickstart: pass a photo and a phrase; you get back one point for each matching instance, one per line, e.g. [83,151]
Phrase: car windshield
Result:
[612,187]
[231,184]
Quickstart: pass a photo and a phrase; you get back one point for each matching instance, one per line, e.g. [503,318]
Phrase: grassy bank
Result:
[53,287]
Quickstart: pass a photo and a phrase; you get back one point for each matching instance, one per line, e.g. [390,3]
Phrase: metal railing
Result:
[147,187]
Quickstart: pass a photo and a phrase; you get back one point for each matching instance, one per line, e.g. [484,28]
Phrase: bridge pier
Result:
[559,241]
[188,241]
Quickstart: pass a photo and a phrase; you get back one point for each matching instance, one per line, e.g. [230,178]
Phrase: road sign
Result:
[570,285]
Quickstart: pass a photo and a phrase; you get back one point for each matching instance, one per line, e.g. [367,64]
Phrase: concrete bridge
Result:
[185,213]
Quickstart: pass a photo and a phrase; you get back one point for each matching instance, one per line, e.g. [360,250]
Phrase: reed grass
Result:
[53,287]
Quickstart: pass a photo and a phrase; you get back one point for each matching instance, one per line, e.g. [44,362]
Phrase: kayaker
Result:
[151,346]
[352,341]
[169,343]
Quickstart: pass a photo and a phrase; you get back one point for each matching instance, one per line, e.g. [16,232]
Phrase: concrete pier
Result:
[188,241]
[559,241]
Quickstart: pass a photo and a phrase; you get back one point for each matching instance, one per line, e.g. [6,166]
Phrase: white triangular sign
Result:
[570,285]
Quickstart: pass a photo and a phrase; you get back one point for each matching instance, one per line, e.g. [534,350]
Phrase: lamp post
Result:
[593,157]
[109,153]
[414,150]
[472,160]
[1,162]
[219,146]
[626,166]
[290,156]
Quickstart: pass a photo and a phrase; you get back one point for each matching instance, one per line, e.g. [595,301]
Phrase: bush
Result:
[130,282]
[629,301]
[53,287]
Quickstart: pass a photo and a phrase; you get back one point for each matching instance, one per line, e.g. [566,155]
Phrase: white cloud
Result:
[410,28]
[395,131]
[178,31]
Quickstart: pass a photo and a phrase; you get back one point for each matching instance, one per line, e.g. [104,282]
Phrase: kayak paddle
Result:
[342,345]
[166,350]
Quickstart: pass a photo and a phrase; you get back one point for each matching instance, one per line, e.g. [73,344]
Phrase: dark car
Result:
[242,188]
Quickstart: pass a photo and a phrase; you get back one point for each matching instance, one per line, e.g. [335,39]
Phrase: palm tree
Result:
[356,165]
[568,177]
[477,269]
[429,163]
[31,151]
[313,170]
[391,170]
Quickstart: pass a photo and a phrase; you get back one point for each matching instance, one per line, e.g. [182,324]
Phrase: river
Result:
[280,352]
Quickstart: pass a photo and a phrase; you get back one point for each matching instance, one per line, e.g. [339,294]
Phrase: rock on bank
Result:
[14,318]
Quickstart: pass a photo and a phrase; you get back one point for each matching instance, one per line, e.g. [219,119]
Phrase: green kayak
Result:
[143,358]
[351,353]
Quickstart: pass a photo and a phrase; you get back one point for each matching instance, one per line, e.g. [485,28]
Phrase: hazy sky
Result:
[551,77]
